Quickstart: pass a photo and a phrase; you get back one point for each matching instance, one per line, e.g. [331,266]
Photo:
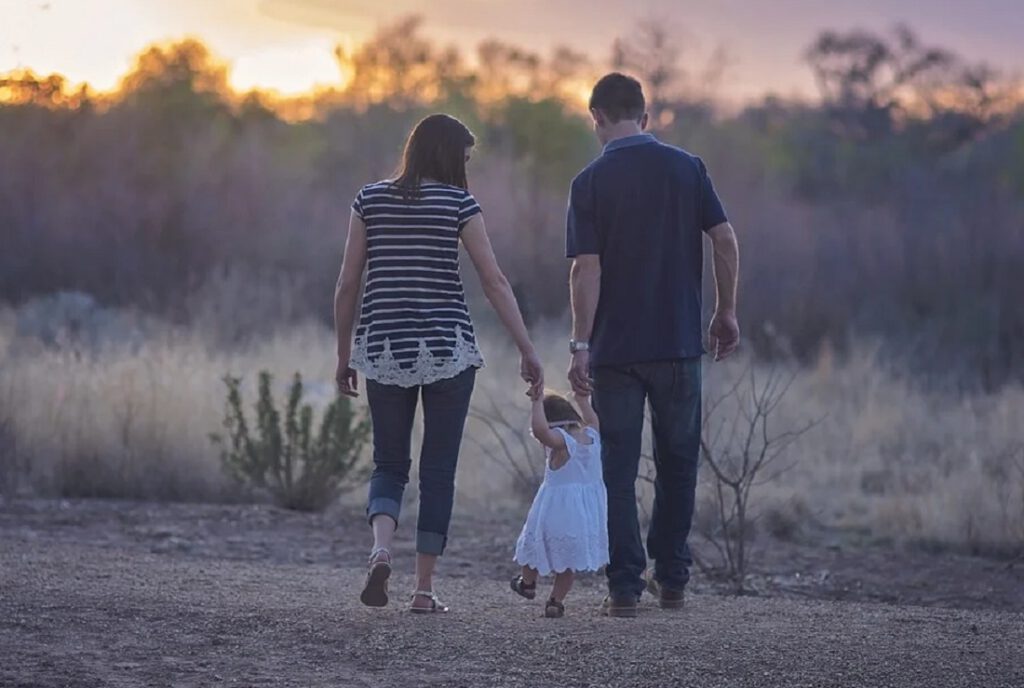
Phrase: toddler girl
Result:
[567,527]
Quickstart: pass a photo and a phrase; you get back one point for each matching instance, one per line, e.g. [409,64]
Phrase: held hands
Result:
[724,334]
[579,374]
[532,371]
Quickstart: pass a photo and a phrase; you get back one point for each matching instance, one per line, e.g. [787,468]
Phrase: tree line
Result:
[892,208]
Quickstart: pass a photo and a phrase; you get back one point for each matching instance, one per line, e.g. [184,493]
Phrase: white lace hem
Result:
[424,370]
[555,554]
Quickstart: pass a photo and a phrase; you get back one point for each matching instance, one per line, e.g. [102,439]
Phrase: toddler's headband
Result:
[563,423]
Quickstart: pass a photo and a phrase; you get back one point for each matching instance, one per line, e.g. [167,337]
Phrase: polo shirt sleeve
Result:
[581,237]
[712,213]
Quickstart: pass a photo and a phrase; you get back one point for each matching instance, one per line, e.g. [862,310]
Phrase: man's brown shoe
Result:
[667,597]
[624,606]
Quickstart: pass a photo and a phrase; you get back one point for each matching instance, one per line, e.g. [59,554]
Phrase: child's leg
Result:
[562,586]
[530,575]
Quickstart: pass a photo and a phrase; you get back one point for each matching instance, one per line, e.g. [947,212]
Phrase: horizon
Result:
[288,47]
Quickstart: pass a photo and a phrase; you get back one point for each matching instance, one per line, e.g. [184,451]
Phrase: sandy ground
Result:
[122,594]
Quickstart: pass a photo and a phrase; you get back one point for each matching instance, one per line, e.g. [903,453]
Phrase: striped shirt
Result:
[414,326]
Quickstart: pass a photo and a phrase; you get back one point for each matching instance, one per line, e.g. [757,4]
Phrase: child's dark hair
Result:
[619,97]
[436,149]
[558,409]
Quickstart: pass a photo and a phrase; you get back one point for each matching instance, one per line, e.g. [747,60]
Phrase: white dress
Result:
[567,527]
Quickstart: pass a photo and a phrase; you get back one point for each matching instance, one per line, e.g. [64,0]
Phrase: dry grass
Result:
[886,459]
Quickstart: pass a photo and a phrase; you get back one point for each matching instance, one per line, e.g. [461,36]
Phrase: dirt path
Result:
[99,606]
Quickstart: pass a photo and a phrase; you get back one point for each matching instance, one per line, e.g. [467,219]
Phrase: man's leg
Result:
[674,393]
[619,402]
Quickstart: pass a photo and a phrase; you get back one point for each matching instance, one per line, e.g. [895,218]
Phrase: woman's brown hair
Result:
[436,149]
[558,409]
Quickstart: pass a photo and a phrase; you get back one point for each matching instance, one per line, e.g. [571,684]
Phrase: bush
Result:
[302,470]
[743,448]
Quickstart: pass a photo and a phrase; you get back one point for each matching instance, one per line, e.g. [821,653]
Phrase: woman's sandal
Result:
[375,592]
[553,609]
[436,607]
[524,589]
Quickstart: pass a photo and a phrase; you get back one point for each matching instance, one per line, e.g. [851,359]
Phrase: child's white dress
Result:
[567,527]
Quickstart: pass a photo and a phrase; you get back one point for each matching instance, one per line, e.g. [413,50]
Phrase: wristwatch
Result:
[575,346]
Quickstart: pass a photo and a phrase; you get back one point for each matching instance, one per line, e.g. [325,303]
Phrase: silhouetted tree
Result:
[870,83]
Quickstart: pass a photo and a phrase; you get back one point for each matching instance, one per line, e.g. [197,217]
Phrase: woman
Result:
[415,336]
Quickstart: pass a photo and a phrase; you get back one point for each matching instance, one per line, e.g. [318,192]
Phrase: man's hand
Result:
[347,379]
[579,373]
[724,334]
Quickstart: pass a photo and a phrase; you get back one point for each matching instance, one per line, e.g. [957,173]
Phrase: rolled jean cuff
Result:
[430,543]
[383,505]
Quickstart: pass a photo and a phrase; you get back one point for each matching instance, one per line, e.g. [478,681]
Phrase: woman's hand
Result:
[347,379]
[532,371]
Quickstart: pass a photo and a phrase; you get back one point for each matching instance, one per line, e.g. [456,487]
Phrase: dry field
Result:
[130,417]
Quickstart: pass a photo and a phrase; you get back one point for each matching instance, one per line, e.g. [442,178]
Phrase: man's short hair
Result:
[619,97]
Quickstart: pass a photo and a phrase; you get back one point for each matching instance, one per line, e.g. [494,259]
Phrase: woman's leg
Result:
[445,407]
[562,586]
[383,531]
[392,410]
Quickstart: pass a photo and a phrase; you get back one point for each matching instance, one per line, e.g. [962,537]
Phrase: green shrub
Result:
[302,469]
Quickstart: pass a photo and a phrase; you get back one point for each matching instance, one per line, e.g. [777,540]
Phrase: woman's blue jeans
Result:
[393,409]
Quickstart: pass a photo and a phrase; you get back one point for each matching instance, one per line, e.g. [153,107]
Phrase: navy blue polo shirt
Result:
[643,207]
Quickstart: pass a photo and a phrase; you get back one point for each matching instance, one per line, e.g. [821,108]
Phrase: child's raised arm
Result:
[539,424]
[587,411]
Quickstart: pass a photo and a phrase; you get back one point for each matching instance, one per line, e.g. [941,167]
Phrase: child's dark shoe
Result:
[524,589]
[554,609]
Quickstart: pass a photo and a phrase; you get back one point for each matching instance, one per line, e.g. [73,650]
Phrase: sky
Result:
[288,45]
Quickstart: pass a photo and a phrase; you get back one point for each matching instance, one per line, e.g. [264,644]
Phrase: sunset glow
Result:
[288,46]
[288,69]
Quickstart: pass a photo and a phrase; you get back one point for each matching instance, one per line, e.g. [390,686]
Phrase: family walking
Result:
[636,221]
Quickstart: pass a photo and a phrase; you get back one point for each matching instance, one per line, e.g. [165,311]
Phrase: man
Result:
[636,221]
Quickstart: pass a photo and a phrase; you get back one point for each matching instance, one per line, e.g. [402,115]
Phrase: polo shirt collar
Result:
[627,141]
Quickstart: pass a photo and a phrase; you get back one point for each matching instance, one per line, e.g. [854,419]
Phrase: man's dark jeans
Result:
[672,389]
[393,409]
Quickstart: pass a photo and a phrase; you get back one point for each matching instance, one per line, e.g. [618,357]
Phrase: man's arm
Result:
[725,330]
[584,291]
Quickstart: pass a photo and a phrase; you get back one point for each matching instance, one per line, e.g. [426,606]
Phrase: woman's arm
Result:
[541,430]
[346,298]
[499,293]
[587,411]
